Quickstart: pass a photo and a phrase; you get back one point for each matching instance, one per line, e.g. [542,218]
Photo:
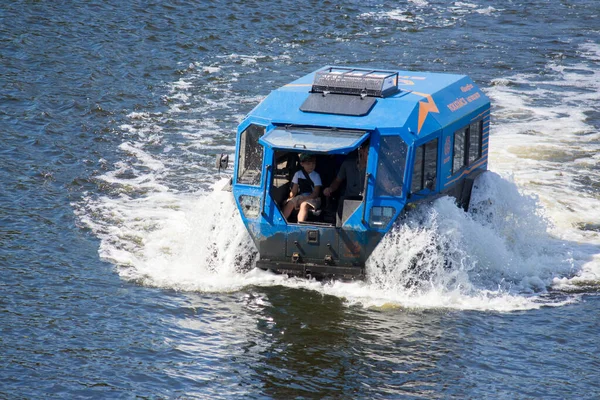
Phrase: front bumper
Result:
[310,270]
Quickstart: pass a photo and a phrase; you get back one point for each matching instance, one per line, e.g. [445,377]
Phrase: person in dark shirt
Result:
[306,188]
[352,172]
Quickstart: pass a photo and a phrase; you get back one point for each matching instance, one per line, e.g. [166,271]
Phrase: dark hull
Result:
[309,270]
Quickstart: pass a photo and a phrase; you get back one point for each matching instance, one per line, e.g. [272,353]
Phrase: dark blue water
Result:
[110,114]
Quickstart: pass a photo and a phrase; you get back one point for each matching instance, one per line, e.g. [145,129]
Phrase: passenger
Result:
[352,172]
[307,183]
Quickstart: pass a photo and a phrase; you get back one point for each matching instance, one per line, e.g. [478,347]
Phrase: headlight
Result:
[381,216]
[250,206]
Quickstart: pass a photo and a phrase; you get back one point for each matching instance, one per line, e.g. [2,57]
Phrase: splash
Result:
[183,242]
[498,256]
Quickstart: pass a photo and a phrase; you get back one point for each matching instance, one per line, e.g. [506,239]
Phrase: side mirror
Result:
[222,161]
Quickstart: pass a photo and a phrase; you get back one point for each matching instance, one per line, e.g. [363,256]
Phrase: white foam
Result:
[541,136]
[486,11]
[464,4]
[485,260]
[398,15]
[185,242]
[182,84]
[500,256]
[211,70]
[422,14]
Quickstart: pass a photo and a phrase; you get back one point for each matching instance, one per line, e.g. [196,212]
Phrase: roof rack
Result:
[356,81]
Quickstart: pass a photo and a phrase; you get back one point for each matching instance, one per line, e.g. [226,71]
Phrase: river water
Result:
[126,272]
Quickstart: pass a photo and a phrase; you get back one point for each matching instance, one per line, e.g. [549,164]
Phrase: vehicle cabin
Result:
[407,136]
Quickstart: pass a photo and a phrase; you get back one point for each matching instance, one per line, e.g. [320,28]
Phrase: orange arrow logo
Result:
[425,107]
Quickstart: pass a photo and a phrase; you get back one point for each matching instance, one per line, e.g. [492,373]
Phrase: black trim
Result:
[309,270]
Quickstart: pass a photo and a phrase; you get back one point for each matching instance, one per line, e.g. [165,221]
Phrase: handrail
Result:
[367,176]
[264,195]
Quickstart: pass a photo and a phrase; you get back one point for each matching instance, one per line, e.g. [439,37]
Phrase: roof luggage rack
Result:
[356,81]
[349,91]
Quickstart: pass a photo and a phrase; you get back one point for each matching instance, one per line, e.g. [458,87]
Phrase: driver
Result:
[352,172]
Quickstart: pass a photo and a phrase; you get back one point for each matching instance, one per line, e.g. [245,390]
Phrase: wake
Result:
[498,256]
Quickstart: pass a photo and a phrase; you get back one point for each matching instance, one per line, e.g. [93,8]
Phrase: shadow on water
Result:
[311,345]
[320,347]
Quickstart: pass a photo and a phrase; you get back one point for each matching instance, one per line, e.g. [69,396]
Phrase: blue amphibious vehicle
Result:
[423,135]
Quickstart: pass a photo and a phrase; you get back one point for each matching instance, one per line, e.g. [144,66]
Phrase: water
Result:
[127,273]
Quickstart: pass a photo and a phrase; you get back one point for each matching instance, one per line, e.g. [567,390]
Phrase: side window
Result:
[475,141]
[391,166]
[425,166]
[417,178]
[460,139]
[250,157]
[430,165]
